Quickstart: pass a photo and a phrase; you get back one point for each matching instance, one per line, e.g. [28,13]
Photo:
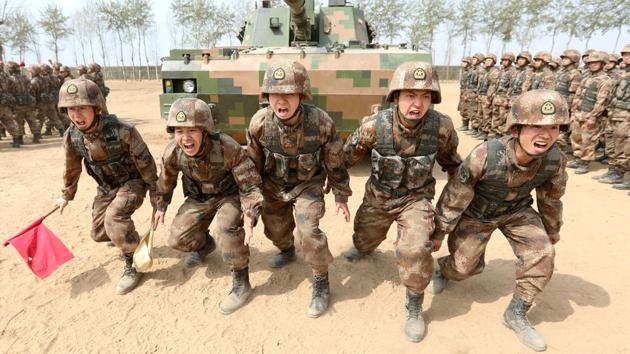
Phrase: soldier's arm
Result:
[492,89]
[254,148]
[245,174]
[167,180]
[142,158]
[577,99]
[360,142]
[459,192]
[334,164]
[574,84]
[72,169]
[548,199]
[527,83]
[549,82]
[603,98]
[447,155]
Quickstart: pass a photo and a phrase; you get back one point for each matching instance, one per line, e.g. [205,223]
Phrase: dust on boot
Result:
[241,289]
[321,295]
[415,328]
[515,318]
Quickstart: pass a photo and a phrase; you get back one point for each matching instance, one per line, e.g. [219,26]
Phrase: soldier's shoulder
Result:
[228,143]
[445,119]
[170,151]
[258,119]
[320,114]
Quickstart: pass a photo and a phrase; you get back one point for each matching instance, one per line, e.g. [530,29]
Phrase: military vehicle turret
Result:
[349,73]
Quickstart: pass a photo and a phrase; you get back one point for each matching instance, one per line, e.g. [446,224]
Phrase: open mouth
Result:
[414,113]
[283,111]
[189,147]
[540,146]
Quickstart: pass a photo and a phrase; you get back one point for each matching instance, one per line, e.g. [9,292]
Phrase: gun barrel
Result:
[300,20]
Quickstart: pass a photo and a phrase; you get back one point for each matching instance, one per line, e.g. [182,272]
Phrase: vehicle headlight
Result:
[168,86]
[189,86]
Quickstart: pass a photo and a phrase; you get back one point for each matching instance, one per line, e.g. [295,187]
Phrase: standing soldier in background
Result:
[94,70]
[24,108]
[543,77]
[6,101]
[523,74]
[83,73]
[500,102]
[487,88]
[463,88]
[40,89]
[568,81]
[584,69]
[54,119]
[472,104]
[65,74]
[589,104]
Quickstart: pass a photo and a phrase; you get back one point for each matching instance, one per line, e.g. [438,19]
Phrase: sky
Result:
[160,43]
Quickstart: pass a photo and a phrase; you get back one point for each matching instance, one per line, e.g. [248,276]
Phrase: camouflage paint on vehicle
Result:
[349,74]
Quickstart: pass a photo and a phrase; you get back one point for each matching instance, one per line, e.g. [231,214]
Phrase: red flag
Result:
[42,251]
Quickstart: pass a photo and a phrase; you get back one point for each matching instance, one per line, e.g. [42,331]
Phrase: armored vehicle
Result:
[349,73]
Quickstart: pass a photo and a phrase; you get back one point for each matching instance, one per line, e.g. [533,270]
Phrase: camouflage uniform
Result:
[543,77]
[590,102]
[472,104]
[500,102]
[116,157]
[619,116]
[24,109]
[584,69]
[6,101]
[94,70]
[463,90]
[486,91]
[65,74]
[212,181]
[49,109]
[522,77]
[568,81]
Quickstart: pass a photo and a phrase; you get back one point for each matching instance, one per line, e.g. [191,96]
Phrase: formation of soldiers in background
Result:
[30,97]
[598,95]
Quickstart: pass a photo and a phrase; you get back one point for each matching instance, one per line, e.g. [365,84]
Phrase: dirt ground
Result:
[584,309]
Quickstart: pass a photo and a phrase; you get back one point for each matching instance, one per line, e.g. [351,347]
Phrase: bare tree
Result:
[467,14]
[384,16]
[113,14]
[22,33]
[591,20]
[428,15]
[54,24]
[509,16]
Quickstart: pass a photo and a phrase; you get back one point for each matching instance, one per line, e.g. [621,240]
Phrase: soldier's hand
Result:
[248,225]
[590,123]
[436,245]
[554,238]
[61,203]
[158,218]
[344,210]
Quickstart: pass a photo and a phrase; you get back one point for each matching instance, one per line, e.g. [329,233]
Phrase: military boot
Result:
[471,132]
[283,258]
[321,293]
[3,133]
[575,163]
[438,281]
[21,139]
[622,186]
[16,142]
[37,137]
[415,328]
[241,288]
[603,175]
[515,318]
[353,254]
[615,176]
[130,277]
[47,131]
[196,257]
[464,126]
[583,167]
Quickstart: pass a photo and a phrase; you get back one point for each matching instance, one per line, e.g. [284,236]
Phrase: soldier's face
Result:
[595,65]
[626,58]
[538,63]
[505,63]
[521,62]
[537,139]
[82,116]
[488,63]
[566,61]
[189,139]
[414,104]
[284,105]
[610,65]
[475,61]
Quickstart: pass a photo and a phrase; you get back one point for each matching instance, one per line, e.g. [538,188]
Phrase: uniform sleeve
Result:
[254,148]
[548,199]
[574,84]
[492,89]
[549,81]
[142,158]
[577,99]
[72,169]
[447,155]
[527,83]
[459,192]
[246,176]
[604,88]
[360,142]
[167,180]
[334,163]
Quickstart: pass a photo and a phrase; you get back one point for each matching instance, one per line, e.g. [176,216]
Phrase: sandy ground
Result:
[584,309]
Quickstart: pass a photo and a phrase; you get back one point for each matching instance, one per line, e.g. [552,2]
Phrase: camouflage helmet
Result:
[47,69]
[190,112]
[539,107]
[572,54]
[286,76]
[587,53]
[56,65]
[508,56]
[625,49]
[479,56]
[596,56]
[13,67]
[555,63]
[467,60]
[35,69]
[525,54]
[82,69]
[80,92]
[415,75]
[64,69]
[490,56]
[544,56]
[94,68]
[613,58]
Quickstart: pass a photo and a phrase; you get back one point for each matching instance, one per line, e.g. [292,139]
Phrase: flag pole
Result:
[50,212]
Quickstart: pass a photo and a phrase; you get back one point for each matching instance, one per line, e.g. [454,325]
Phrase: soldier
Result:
[463,81]
[296,147]
[584,69]
[7,100]
[589,104]
[543,77]
[65,74]
[611,68]
[219,180]
[493,191]
[554,65]
[500,102]
[50,108]
[405,141]
[486,91]
[24,108]
[83,73]
[523,74]
[567,82]
[94,70]
[472,102]
[39,90]
[117,158]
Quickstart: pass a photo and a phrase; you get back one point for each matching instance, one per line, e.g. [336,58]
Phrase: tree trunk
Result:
[570,39]
[122,56]
[92,50]
[617,40]
[82,44]
[553,38]
[146,54]
[56,51]
[102,45]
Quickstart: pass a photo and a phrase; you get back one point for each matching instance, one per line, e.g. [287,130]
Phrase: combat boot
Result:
[321,293]
[3,133]
[16,142]
[353,254]
[575,163]
[471,131]
[415,328]
[130,277]
[583,167]
[515,318]
[622,186]
[464,126]
[241,288]
[196,257]
[603,175]
[37,137]
[438,281]
[283,258]
[21,139]
[615,176]
[47,131]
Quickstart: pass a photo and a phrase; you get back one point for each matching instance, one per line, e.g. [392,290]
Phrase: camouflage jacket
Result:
[488,81]
[20,87]
[504,81]
[406,140]
[292,141]
[614,74]
[40,89]
[460,191]
[543,79]
[132,146]
[463,80]
[236,166]
[5,97]
[527,79]
[593,95]
[620,104]
[567,83]
[472,82]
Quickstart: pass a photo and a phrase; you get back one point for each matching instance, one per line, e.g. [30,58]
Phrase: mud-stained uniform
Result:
[117,158]
[401,186]
[7,100]
[491,191]
[220,183]
[24,108]
[500,101]
[295,157]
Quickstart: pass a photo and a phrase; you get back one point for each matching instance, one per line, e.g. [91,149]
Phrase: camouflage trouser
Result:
[6,119]
[620,157]
[500,109]
[28,114]
[470,106]
[111,215]
[193,218]
[584,140]
[461,107]
[475,121]
[485,115]
[528,238]
[302,213]
[415,221]
[48,113]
